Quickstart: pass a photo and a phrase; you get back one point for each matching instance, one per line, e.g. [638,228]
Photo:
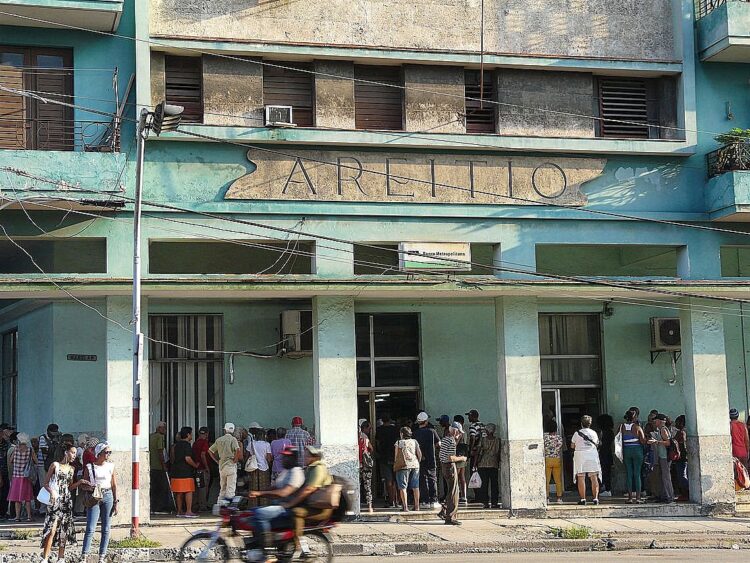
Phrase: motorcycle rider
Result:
[286,485]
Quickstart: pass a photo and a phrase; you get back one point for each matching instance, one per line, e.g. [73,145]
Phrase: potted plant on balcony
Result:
[734,153]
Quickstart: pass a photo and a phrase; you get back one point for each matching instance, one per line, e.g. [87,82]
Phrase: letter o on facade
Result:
[549,180]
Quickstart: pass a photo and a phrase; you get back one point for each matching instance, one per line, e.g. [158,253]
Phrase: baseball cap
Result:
[297,421]
[422,417]
[203,430]
[229,427]
[473,412]
[661,416]
[254,425]
[734,413]
[314,451]
[457,426]
[288,450]
[444,419]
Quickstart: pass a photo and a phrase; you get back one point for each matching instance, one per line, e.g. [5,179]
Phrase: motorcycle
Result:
[238,524]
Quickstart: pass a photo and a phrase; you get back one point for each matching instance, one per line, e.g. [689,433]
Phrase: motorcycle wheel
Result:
[204,547]
[321,549]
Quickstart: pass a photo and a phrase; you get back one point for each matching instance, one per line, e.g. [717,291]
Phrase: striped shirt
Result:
[447,448]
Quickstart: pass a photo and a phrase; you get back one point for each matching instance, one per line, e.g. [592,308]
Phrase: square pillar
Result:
[520,388]
[335,384]
[707,407]
[333,259]
[119,402]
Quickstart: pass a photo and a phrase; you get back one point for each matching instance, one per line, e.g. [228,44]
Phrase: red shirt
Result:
[200,446]
[88,456]
[738,432]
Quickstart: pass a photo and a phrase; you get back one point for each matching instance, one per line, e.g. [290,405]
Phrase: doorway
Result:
[186,372]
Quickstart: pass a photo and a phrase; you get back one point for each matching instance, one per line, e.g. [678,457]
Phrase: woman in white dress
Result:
[585,444]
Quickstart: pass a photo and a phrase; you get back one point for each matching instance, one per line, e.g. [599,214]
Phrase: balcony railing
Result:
[57,135]
[729,158]
[705,7]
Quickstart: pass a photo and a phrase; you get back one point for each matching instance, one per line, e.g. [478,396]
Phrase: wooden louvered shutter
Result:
[12,109]
[183,78]
[480,117]
[627,107]
[285,87]
[381,105]
[52,124]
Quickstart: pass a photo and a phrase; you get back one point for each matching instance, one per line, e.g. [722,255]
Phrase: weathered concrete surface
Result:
[380,177]
[438,112]
[158,87]
[520,383]
[233,89]
[334,94]
[585,28]
[538,101]
[704,375]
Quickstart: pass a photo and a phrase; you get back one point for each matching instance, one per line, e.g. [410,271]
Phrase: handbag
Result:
[618,445]
[44,495]
[252,462]
[94,496]
[27,470]
[200,479]
[325,497]
[400,462]
[476,481]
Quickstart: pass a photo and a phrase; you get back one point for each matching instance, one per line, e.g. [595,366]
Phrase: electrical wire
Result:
[360,80]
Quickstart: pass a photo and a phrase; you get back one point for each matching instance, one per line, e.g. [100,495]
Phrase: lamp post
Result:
[163,118]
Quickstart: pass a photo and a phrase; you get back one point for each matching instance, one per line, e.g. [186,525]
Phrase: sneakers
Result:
[605,494]
[582,502]
[559,500]
[436,505]
[595,502]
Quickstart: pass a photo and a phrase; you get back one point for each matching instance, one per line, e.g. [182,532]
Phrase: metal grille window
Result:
[628,108]
[28,123]
[290,87]
[570,349]
[480,115]
[183,83]
[388,350]
[379,101]
[9,381]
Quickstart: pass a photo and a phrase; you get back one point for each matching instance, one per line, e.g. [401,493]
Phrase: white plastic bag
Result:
[618,446]
[476,481]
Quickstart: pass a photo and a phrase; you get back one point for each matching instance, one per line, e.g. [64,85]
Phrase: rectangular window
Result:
[735,261]
[570,349]
[54,256]
[387,350]
[183,84]
[622,260]
[29,123]
[629,107]
[481,112]
[290,87]
[9,380]
[379,100]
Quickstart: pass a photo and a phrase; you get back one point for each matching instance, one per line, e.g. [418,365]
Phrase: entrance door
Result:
[399,405]
[186,372]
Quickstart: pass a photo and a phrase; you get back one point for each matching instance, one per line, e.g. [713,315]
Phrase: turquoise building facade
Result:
[567,148]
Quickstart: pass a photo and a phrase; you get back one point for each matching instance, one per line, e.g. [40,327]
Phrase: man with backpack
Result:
[662,442]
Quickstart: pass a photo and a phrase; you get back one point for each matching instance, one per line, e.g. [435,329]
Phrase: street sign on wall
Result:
[440,256]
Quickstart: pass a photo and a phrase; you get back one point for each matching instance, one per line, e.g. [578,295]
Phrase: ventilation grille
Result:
[184,86]
[624,106]
[480,117]
[290,87]
[381,105]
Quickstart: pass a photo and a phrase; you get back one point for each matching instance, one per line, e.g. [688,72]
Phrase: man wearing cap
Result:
[300,438]
[448,459]
[227,453]
[661,439]
[428,440]
[740,440]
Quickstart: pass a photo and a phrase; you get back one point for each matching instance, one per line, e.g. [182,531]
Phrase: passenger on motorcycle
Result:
[287,483]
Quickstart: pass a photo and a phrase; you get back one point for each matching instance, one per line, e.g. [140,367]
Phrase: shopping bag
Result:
[476,481]
[618,446]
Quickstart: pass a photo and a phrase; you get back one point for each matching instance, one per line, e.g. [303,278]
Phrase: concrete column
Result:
[434,98]
[334,94]
[700,259]
[520,388]
[119,407]
[335,384]
[515,255]
[707,405]
[333,259]
[232,92]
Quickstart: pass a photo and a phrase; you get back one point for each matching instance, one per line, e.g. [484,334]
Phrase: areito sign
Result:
[308,175]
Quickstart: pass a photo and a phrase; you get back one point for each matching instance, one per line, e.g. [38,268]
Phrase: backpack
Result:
[673,449]
[741,477]
[55,451]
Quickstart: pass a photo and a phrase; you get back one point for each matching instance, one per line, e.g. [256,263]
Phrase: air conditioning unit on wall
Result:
[279,116]
[296,333]
[665,334]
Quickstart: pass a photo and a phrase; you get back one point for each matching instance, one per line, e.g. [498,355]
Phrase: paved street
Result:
[713,555]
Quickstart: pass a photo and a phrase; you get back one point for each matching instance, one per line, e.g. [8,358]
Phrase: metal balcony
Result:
[728,188]
[101,15]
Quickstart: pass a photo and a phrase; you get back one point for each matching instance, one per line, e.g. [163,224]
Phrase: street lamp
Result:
[163,118]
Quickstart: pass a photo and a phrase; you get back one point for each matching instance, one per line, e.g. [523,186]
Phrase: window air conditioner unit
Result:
[296,333]
[279,116]
[665,334]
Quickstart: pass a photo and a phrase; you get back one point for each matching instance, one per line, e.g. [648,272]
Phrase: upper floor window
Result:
[480,97]
[629,107]
[29,123]
[290,84]
[379,97]
[183,85]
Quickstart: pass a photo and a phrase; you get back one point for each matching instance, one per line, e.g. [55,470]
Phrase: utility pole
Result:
[163,118]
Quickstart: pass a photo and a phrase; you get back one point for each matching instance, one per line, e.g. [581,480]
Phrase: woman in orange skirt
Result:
[183,474]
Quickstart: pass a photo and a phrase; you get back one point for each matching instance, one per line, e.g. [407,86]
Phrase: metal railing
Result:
[60,135]
[729,158]
[705,7]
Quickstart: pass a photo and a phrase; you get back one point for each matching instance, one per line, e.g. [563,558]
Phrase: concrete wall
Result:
[334,94]
[232,92]
[588,28]
[434,98]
